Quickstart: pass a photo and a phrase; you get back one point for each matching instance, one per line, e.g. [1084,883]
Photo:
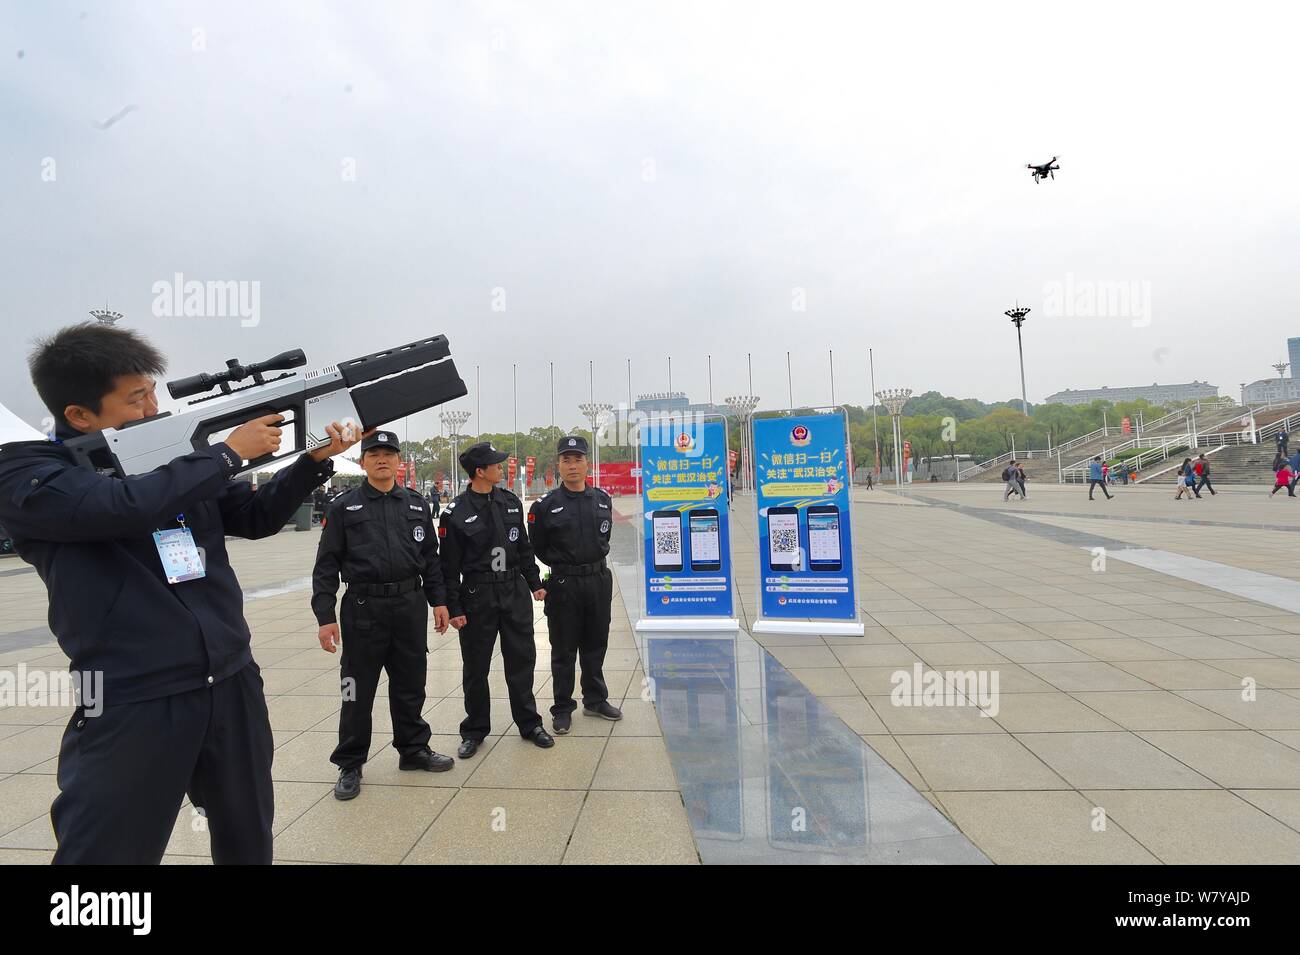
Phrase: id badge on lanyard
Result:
[181,558]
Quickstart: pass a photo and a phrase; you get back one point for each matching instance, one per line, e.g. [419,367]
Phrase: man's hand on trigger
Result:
[252,439]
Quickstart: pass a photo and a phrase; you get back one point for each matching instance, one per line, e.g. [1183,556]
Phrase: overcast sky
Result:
[654,179]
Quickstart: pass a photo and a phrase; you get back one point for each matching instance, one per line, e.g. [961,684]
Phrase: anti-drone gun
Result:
[366,392]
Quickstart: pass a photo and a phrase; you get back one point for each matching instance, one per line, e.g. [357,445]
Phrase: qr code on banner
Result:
[785,540]
[668,542]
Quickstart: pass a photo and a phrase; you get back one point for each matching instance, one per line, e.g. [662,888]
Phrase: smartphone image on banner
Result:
[824,538]
[783,538]
[706,539]
[667,533]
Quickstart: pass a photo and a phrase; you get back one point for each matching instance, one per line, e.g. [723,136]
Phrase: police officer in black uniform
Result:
[569,528]
[489,569]
[380,538]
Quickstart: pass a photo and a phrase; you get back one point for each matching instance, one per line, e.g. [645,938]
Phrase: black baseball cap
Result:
[380,439]
[480,455]
[571,444]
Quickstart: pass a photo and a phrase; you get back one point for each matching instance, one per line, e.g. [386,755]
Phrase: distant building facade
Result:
[1293,354]
[662,403]
[1156,394]
[1271,389]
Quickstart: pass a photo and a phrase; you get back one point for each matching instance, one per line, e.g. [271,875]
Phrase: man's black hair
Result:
[80,364]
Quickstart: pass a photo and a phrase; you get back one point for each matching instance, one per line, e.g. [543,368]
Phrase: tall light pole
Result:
[894,399]
[1017,316]
[1280,367]
[514,398]
[453,421]
[742,406]
[875,428]
[594,411]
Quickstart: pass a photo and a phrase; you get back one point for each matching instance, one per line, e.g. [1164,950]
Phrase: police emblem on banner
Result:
[418,533]
[514,534]
[604,527]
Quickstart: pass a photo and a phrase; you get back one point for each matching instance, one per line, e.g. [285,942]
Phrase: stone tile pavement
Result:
[604,794]
[1120,734]
[1120,691]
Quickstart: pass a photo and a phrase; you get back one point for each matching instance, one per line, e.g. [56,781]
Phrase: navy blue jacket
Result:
[89,536]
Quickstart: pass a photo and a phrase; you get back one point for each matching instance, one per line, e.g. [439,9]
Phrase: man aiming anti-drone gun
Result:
[124,516]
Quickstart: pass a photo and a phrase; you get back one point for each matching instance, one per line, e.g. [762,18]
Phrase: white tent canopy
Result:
[14,428]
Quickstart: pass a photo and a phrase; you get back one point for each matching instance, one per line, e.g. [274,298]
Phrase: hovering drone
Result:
[1043,171]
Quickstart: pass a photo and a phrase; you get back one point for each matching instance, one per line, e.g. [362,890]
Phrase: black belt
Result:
[578,570]
[387,590]
[491,576]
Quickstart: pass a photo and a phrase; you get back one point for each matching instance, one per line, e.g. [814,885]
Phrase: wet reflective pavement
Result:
[768,773]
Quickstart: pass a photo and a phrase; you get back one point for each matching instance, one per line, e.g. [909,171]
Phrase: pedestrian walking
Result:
[1283,480]
[1203,475]
[1185,480]
[1011,479]
[1096,477]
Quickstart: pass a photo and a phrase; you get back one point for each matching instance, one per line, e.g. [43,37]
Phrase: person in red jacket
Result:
[1283,480]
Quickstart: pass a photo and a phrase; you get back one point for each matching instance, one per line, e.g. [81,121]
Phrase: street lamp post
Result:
[1017,316]
[742,406]
[594,411]
[453,421]
[1280,367]
[894,399]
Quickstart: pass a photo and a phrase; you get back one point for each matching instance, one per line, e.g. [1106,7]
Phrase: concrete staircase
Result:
[1041,465]
[1234,464]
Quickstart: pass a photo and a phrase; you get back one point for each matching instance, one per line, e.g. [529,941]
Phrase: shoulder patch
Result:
[355,507]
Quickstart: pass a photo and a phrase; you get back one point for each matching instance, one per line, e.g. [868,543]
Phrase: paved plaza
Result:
[1121,633]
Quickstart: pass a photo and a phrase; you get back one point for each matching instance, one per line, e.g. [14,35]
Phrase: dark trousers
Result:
[382,634]
[1100,484]
[123,774]
[504,607]
[577,616]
